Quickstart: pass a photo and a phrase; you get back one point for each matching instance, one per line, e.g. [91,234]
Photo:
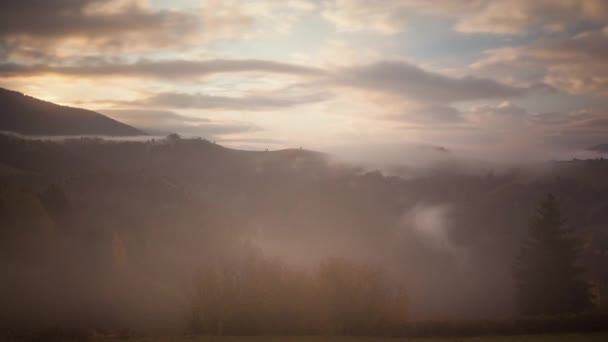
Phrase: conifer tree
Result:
[549,279]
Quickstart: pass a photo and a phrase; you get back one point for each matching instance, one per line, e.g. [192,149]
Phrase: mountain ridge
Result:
[27,115]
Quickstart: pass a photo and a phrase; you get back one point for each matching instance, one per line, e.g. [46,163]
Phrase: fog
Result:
[157,236]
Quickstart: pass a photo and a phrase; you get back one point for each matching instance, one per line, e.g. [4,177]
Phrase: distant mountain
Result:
[599,148]
[27,115]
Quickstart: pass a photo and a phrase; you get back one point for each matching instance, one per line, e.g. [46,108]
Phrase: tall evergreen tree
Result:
[548,277]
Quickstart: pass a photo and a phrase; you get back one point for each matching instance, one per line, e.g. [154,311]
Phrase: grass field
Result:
[523,338]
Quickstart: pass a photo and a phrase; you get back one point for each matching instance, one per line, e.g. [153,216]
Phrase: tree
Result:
[57,205]
[358,299]
[173,137]
[548,278]
[25,226]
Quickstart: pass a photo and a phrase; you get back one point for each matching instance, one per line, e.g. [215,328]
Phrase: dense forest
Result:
[176,235]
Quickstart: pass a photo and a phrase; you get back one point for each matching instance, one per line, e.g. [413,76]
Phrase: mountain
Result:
[30,116]
[603,148]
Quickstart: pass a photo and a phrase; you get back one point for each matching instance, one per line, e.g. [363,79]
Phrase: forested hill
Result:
[143,217]
[27,115]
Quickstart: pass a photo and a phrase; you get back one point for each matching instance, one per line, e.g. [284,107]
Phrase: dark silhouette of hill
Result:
[27,115]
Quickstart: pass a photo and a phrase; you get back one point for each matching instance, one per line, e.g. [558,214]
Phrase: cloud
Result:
[163,122]
[509,132]
[267,100]
[497,115]
[360,15]
[225,19]
[39,31]
[431,224]
[576,129]
[513,129]
[251,140]
[64,27]
[276,17]
[162,69]
[414,83]
[216,129]
[473,16]
[574,64]
[334,53]
[402,79]
[145,117]
[520,16]
[425,114]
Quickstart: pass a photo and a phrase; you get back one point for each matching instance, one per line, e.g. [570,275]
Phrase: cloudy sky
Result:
[508,77]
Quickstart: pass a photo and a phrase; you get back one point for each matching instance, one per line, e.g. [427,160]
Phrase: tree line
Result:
[145,236]
[251,293]
[260,295]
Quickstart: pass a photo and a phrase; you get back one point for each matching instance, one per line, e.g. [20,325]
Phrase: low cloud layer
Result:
[415,83]
[173,69]
[281,98]
[164,122]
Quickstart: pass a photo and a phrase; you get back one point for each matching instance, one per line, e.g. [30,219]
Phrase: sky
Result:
[501,79]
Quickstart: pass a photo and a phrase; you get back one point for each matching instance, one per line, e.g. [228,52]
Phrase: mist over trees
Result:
[184,235]
[261,295]
[550,279]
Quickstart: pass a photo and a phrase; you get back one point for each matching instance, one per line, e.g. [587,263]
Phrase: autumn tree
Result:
[358,299]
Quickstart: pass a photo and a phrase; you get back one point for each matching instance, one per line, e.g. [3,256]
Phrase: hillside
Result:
[117,217]
[30,116]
